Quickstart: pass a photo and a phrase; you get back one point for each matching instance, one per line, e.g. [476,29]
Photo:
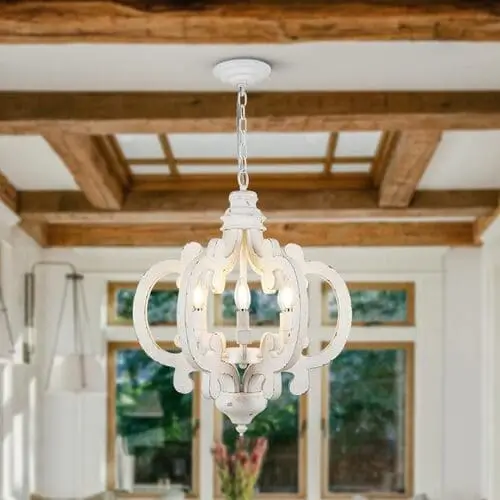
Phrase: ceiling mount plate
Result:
[242,71]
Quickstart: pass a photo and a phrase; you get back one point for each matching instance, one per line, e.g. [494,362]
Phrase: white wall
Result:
[454,451]
[18,413]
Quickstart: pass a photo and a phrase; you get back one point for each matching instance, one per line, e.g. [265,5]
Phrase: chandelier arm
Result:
[179,361]
[207,359]
[276,357]
[300,382]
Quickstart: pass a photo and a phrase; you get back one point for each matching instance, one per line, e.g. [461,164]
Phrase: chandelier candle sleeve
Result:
[202,271]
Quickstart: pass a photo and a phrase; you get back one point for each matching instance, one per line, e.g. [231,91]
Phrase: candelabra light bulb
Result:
[242,297]
[285,298]
[199,296]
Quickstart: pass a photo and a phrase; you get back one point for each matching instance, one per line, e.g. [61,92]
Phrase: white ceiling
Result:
[268,145]
[30,164]
[303,66]
[465,160]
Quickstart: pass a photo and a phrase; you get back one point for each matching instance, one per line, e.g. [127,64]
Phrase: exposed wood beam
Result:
[114,157]
[259,182]
[9,196]
[169,21]
[85,160]
[383,155]
[318,234]
[169,155]
[406,166]
[8,193]
[254,160]
[330,152]
[36,230]
[112,112]
[279,205]
[483,223]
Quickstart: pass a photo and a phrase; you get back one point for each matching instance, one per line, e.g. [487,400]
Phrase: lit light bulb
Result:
[285,298]
[242,297]
[199,297]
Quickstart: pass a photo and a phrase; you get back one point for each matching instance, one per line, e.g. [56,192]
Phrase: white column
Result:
[6,438]
[494,477]
[465,329]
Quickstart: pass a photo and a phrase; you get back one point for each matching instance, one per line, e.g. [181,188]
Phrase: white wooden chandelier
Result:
[202,271]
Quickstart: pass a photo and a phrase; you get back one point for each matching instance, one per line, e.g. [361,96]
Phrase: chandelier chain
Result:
[241,133]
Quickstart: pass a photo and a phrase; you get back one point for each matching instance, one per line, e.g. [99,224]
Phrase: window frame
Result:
[408,286]
[112,348]
[302,454]
[409,348]
[111,291]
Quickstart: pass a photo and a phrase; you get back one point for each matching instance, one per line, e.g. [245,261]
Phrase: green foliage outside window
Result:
[373,306]
[367,421]
[162,305]
[154,420]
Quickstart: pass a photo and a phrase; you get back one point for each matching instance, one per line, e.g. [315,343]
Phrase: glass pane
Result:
[153,424]
[357,143]
[367,421]
[264,309]
[373,306]
[140,146]
[203,145]
[279,423]
[162,306]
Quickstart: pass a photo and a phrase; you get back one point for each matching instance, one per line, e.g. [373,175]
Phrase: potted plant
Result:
[238,472]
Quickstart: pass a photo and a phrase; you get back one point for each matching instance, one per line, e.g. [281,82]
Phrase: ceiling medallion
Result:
[242,379]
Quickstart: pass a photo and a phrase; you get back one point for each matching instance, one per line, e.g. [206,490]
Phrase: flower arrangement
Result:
[239,472]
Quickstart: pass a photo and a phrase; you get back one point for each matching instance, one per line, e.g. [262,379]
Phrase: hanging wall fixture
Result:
[78,371]
[7,346]
[202,271]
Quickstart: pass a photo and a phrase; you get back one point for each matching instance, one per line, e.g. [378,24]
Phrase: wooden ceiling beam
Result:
[86,160]
[317,234]
[258,182]
[8,193]
[261,21]
[278,205]
[406,165]
[114,112]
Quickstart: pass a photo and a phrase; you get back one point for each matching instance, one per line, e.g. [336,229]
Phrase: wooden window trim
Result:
[408,286]
[112,289]
[302,452]
[409,348]
[113,347]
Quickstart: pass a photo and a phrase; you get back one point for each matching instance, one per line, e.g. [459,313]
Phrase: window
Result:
[381,304]
[162,306]
[367,420]
[264,309]
[152,429]
[283,423]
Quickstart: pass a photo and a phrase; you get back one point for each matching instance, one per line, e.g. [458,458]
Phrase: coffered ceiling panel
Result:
[31,164]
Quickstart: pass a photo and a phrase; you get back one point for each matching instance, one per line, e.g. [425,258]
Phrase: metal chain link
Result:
[241,134]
